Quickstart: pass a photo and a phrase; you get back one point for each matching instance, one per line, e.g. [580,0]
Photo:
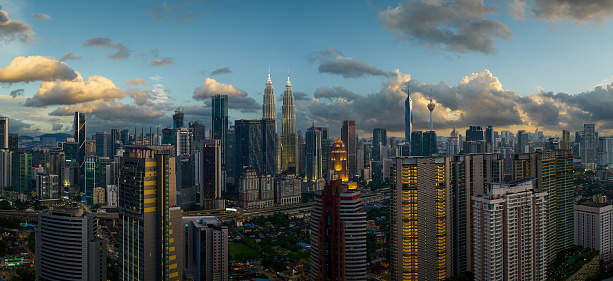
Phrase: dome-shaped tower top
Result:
[431,105]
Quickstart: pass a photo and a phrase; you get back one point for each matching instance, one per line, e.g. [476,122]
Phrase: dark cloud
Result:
[14,29]
[41,16]
[57,127]
[162,62]
[237,98]
[177,11]
[457,26]
[122,51]
[298,96]
[221,70]
[70,56]
[592,106]
[335,92]
[110,110]
[323,54]
[22,128]
[349,68]
[566,10]
[16,93]
[36,68]
[198,110]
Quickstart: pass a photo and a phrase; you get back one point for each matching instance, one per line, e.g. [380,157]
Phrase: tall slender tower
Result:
[408,116]
[4,133]
[220,123]
[288,128]
[269,108]
[431,107]
[349,139]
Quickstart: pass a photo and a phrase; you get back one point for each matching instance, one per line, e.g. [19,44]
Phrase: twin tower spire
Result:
[288,113]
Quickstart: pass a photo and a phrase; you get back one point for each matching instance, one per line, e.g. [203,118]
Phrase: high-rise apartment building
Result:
[523,145]
[206,249]
[565,142]
[338,234]
[605,152]
[4,133]
[421,218]
[210,174]
[349,139]
[509,225]
[184,140]
[220,123]
[589,146]
[594,227]
[198,129]
[68,246]
[150,235]
[553,171]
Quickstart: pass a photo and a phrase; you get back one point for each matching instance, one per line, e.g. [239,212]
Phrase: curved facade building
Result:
[68,247]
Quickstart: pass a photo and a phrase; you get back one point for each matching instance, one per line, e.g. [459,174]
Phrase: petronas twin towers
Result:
[287,143]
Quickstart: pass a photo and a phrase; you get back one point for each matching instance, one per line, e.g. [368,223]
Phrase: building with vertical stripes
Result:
[509,227]
[338,234]
[150,235]
[553,171]
[421,218]
[593,227]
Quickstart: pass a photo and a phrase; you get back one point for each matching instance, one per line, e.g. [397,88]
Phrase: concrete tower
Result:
[269,107]
[288,128]
[431,107]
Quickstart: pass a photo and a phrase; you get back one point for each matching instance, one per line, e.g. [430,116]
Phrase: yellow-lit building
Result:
[338,160]
[421,218]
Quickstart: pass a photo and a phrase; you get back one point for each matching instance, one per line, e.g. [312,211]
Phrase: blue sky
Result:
[373,50]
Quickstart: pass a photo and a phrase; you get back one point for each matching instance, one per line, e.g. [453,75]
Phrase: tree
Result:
[5,205]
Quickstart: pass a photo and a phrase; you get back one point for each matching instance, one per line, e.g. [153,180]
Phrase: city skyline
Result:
[139,67]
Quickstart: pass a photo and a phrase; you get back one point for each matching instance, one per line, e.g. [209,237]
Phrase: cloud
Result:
[565,10]
[221,70]
[137,81]
[41,16]
[57,127]
[70,56]
[198,110]
[110,110]
[21,128]
[14,29]
[36,68]
[162,62]
[349,68]
[457,26]
[122,51]
[171,11]
[238,98]
[335,92]
[211,87]
[75,91]
[591,106]
[16,93]
[323,54]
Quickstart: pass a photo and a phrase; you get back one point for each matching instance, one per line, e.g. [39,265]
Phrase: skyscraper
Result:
[509,224]
[150,225]
[338,234]
[68,246]
[589,146]
[421,214]
[349,139]
[417,139]
[429,144]
[206,249]
[523,146]
[565,143]
[4,133]
[489,137]
[379,138]
[593,228]
[104,144]
[269,107]
[255,146]
[5,168]
[79,135]
[177,119]
[338,160]
[288,130]
[408,116]
[313,159]
[184,141]
[210,173]
[553,171]
[220,122]
[21,172]
[474,133]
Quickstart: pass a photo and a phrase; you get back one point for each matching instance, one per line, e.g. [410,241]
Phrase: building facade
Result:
[349,139]
[509,228]
[593,227]
[338,234]
[206,249]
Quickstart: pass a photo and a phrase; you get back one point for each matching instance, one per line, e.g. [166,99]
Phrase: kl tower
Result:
[431,107]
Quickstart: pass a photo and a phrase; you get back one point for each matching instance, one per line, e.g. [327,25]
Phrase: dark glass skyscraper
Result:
[474,133]
[255,142]
[79,135]
[408,116]
[379,138]
[220,122]
[349,139]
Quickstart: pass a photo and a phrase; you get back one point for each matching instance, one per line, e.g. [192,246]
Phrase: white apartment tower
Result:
[593,225]
[509,226]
